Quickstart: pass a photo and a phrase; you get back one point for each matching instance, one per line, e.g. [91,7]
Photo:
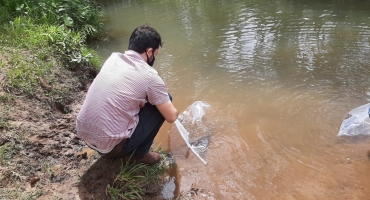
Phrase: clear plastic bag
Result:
[357,122]
[195,129]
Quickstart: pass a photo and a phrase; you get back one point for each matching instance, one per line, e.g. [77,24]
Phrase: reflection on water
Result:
[281,76]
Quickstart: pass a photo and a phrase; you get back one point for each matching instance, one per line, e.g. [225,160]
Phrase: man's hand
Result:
[168,111]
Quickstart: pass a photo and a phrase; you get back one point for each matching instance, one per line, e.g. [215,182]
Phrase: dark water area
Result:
[281,75]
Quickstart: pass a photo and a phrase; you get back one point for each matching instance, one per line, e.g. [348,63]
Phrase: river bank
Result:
[40,155]
[46,68]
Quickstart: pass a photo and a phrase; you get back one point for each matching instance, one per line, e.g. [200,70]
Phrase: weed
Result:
[5,97]
[24,133]
[57,28]
[2,154]
[135,180]
[33,195]
[10,193]
[4,123]
[69,45]
[22,32]
[19,193]
[43,49]
[22,75]
[2,63]
[91,58]
[46,168]
[83,16]
[36,77]
[8,150]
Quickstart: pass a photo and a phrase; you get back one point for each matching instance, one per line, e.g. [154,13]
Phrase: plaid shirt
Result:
[110,111]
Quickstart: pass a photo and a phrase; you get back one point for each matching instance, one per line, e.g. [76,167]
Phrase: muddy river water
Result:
[281,75]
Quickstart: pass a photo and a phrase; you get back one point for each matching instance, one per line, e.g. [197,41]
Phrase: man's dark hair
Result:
[144,37]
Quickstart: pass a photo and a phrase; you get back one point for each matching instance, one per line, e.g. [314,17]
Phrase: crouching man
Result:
[127,102]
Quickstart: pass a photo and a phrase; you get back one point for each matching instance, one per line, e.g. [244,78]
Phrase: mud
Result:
[43,158]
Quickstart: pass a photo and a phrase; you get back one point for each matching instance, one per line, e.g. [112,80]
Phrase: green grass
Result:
[23,73]
[2,154]
[83,16]
[19,193]
[5,102]
[33,195]
[39,36]
[135,180]
[8,150]
[5,97]
[51,41]
[4,123]
[36,53]
[32,76]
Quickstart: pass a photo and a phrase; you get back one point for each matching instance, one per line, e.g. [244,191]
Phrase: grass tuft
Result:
[135,180]
[5,97]
[8,150]
[4,123]
[2,154]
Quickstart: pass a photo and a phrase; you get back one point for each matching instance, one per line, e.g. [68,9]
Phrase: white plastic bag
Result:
[357,122]
[194,129]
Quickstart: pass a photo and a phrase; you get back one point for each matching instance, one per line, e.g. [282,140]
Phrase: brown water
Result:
[281,76]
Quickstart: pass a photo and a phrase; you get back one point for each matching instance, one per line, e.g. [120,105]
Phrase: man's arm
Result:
[168,111]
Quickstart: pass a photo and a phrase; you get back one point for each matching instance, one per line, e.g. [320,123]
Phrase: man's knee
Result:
[169,95]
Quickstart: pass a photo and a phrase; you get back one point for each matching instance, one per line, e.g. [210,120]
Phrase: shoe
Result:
[149,158]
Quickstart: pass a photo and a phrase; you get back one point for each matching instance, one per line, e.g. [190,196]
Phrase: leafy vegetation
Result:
[50,32]
[40,38]
[82,16]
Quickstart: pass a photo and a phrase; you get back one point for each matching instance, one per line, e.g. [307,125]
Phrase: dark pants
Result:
[150,121]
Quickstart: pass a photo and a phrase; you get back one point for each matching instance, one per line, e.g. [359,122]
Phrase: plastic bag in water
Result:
[357,122]
[195,129]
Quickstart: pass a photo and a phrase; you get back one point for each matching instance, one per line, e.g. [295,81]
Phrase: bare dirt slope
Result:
[40,155]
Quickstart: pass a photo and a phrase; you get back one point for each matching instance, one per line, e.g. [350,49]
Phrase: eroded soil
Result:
[41,157]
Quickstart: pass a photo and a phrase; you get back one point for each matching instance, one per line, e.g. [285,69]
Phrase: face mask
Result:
[150,63]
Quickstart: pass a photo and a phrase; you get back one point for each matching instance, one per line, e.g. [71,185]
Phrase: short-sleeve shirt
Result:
[110,111]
